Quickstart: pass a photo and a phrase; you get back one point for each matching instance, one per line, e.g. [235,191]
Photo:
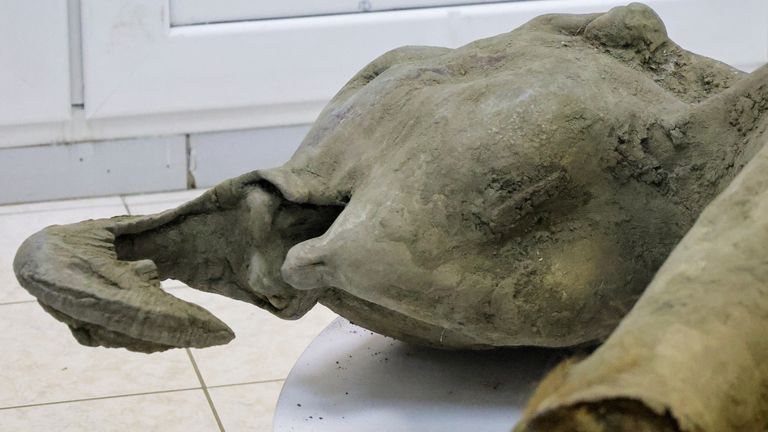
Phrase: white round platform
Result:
[350,379]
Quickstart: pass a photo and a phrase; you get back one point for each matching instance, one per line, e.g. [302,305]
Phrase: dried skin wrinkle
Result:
[692,351]
[520,190]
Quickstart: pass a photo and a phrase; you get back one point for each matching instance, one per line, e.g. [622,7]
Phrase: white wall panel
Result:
[136,63]
[217,156]
[34,61]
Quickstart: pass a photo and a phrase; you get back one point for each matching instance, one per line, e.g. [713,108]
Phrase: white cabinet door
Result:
[282,71]
[34,61]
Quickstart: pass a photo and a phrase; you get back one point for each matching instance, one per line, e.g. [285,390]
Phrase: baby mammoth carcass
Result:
[519,190]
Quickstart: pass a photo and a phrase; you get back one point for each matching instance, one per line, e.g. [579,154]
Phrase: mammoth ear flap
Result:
[625,27]
[568,24]
[635,26]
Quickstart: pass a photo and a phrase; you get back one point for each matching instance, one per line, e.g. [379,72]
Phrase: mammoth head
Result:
[519,190]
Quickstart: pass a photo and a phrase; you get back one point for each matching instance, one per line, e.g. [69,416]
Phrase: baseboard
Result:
[140,165]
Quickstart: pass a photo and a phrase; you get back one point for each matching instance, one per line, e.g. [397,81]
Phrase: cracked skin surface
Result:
[519,190]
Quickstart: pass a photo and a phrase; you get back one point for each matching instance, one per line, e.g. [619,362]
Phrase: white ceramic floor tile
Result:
[180,196]
[113,201]
[248,407]
[184,411]
[41,362]
[153,208]
[265,348]
[16,227]
[172,284]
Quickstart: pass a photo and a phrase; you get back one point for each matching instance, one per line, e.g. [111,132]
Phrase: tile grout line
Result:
[97,398]
[205,389]
[17,302]
[246,383]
